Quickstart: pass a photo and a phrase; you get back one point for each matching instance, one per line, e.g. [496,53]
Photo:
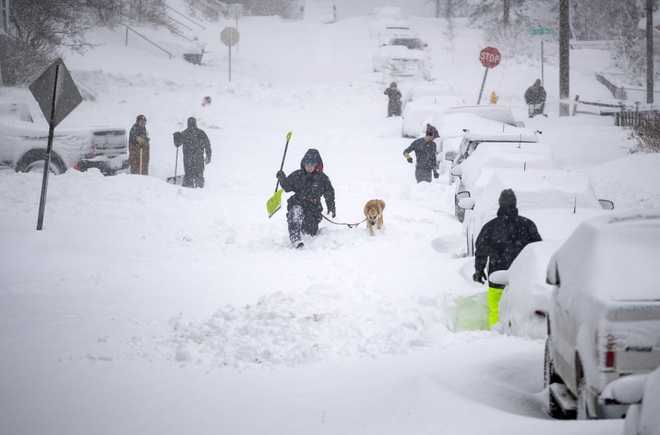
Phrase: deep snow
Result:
[144,307]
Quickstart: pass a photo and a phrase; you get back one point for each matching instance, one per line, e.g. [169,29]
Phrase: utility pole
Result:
[4,26]
[649,52]
[506,12]
[564,32]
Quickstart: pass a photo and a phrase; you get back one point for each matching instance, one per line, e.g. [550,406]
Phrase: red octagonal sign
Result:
[490,57]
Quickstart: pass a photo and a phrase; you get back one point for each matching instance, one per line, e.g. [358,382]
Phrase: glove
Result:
[208,160]
[141,140]
[332,212]
[435,174]
[409,159]
[479,276]
[280,175]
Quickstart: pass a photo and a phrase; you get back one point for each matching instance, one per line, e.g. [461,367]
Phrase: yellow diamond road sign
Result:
[56,84]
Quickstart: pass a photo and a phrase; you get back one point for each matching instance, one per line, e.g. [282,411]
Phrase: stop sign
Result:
[490,57]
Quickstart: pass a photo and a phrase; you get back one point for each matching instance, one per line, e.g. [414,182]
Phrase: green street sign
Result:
[545,31]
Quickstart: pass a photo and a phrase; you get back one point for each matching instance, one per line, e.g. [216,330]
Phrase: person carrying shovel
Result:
[195,144]
[309,184]
[138,147]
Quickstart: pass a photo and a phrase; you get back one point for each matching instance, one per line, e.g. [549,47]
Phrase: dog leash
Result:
[343,223]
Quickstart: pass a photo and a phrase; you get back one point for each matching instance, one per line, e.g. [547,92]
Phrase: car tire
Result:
[582,401]
[34,161]
[550,377]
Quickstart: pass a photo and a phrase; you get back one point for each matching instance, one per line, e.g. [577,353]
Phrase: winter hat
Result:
[140,118]
[393,85]
[431,131]
[508,198]
[192,122]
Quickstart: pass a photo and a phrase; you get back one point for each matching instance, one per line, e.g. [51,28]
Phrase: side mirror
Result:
[457,171]
[450,156]
[606,204]
[462,194]
[552,275]
[500,277]
[466,203]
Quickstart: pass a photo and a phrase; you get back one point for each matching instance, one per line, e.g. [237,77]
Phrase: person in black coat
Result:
[499,242]
[535,97]
[394,100]
[195,144]
[309,184]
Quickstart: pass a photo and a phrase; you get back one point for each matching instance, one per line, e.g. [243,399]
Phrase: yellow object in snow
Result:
[493,98]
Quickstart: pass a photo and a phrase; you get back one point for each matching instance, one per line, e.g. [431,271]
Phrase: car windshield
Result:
[413,44]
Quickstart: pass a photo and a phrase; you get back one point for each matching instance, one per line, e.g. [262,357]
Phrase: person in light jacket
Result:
[138,147]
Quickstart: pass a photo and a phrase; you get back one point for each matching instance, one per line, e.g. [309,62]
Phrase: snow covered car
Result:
[604,319]
[642,394]
[493,132]
[316,11]
[525,300]
[414,65]
[543,195]
[421,103]
[385,53]
[23,144]
[474,173]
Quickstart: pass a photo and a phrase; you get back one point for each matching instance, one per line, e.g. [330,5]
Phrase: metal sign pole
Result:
[482,87]
[230,42]
[51,133]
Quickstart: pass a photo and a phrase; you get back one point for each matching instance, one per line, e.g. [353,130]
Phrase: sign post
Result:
[542,31]
[490,57]
[236,11]
[57,96]
[229,36]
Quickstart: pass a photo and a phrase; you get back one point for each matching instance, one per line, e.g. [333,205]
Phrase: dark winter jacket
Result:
[535,94]
[501,240]
[137,130]
[425,152]
[194,141]
[309,187]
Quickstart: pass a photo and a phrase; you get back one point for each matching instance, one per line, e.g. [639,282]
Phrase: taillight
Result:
[608,351]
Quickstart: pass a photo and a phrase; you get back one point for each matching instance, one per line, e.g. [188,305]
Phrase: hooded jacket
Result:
[309,187]
[535,94]
[194,141]
[502,238]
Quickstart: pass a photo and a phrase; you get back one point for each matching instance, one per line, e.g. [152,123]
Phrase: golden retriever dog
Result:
[373,211]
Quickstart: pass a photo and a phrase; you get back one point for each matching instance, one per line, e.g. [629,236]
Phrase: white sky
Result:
[144,307]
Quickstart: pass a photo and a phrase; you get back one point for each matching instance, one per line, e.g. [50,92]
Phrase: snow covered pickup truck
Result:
[23,144]
[604,320]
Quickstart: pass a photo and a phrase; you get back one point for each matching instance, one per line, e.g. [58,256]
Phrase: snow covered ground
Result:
[143,307]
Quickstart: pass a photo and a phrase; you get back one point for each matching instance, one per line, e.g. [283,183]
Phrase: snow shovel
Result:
[274,203]
[177,179]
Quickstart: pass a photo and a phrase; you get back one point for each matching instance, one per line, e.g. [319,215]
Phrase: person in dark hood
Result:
[426,152]
[535,97]
[195,144]
[394,100]
[499,242]
[138,147]
[309,184]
